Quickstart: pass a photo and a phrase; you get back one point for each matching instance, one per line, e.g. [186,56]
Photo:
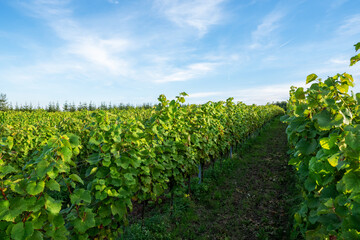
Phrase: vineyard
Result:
[79,174]
[324,135]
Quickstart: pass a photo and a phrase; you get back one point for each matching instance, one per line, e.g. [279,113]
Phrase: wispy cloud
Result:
[205,94]
[188,73]
[165,46]
[336,65]
[111,54]
[339,61]
[265,94]
[258,95]
[81,41]
[39,73]
[198,14]
[337,3]
[46,8]
[285,43]
[263,36]
[351,26]
[114,1]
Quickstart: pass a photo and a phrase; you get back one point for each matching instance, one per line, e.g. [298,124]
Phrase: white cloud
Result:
[205,94]
[113,1]
[198,14]
[257,95]
[341,61]
[190,72]
[263,36]
[90,46]
[46,8]
[336,64]
[337,3]
[263,95]
[350,27]
[97,52]
[111,55]
[37,74]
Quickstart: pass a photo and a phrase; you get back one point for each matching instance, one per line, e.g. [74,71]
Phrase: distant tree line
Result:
[72,107]
[3,102]
[282,104]
[67,107]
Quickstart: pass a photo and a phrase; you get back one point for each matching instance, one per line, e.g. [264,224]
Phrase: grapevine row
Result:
[324,136]
[78,175]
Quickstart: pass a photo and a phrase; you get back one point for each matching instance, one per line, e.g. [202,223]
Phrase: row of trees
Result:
[72,107]
[282,104]
[67,107]
[3,101]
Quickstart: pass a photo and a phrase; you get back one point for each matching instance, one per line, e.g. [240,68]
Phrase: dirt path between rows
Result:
[253,201]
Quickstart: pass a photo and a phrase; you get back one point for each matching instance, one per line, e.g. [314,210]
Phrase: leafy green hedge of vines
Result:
[324,135]
[78,175]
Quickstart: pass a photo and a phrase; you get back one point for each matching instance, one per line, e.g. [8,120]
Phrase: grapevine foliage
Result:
[77,175]
[324,135]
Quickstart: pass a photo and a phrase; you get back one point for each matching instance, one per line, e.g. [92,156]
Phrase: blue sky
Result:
[132,51]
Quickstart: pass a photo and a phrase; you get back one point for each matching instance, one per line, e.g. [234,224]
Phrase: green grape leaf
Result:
[123,162]
[91,171]
[52,205]
[37,235]
[300,93]
[76,151]
[94,142]
[326,120]
[74,140]
[297,217]
[314,234]
[310,184]
[34,204]
[119,208]
[357,46]
[352,181]
[353,140]
[4,170]
[65,153]
[343,88]
[53,185]
[56,220]
[76,178]
[39,222]
[18,231]
[94,158]
[130,178]
[4,206]
[325,143]
[354,59]
[17,206]
[158,190]
[10,142]
[42,168]
[85,222]
[350,235]
[357,96]
[311,78]
[80,195]
[34,188]
[29,229]
[61,233]
[334,159]
[306,147]
[329,142]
